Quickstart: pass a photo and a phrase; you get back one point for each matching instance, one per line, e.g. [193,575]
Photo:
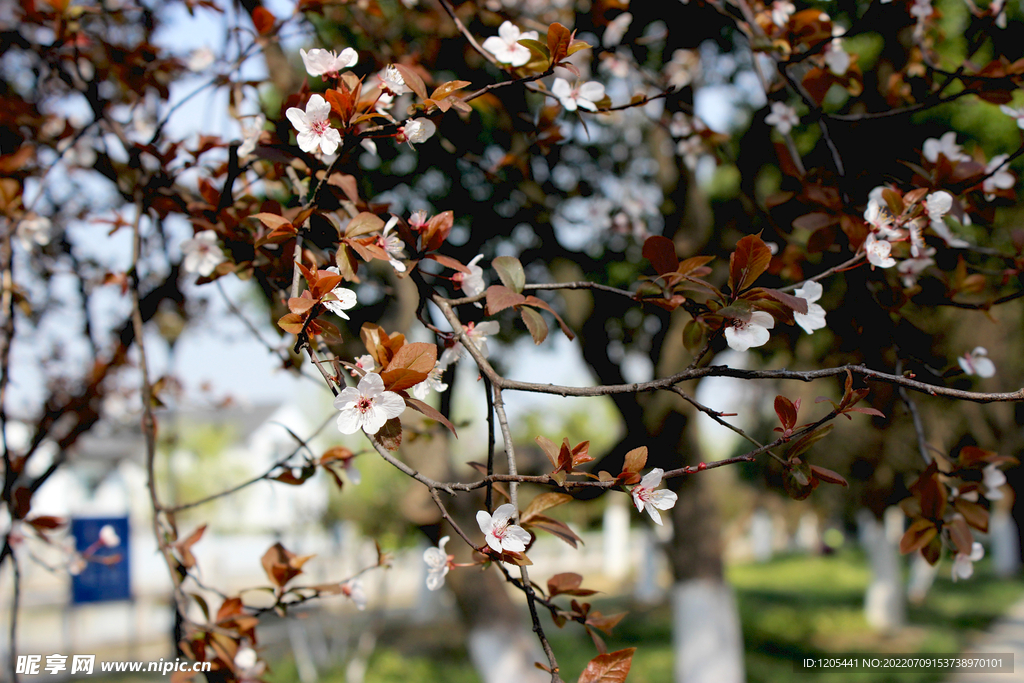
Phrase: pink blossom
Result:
[506,47]
[644,495]
[878,252]
[367,406]
[320,62]
[582,96]
[499,531]
[745,334]
[314,127]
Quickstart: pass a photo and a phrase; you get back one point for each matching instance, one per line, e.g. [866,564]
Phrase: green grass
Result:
[791,607]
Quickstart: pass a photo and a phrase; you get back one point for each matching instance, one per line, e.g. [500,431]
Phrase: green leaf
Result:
[510,270]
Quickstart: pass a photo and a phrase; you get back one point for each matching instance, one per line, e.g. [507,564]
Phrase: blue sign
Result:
[106,575]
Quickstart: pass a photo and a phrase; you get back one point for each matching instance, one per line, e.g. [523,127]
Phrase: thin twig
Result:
[469,36]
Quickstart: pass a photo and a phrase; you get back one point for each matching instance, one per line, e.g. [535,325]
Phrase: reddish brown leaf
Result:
[635,460]
[499,298]
[555,527]
[786,411]
[535,324]
[976,515]
[390,435]
[610,668]
[748,262]
[661,252]
[430,412]
[263,20]
[409,366]
[558,42]
[413,80]
[828,475]
[543,502]
[918,535]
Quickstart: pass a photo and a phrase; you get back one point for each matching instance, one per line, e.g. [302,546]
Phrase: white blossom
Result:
[477,334]
[782,10]
[1016,114]
[433,381]
[998,176]
[417,131]
[364,363]
[878,252]
[977,363]
[320,62]
[202,255]
[909,269]
[391,81]
[473,282]
[814,318]
[505,46]
[314,126]
[616,29]
[837,59]
[946,146]
[436,560]
[34,230]
[353,588]
[582,96]
[742,335]
[499,532]
[367,406]
[782,117]
[251,135]
[644,495]
[393,245]
[345,299]
[199,59]
[994,478]
[963,565]
[109,537]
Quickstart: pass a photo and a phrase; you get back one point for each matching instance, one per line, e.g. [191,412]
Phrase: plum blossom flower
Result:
[391,81]
[977,363]
[417,131]
[782,117]
[477,334]
[433,381]
[993,478]
[251,135]
[782,10]
[963,565]
[353,588]
[1016,114]
[247,665]
[909,269]
[320,62]
[878,252]
[34,230]
[582,96]
[814,318]
[364,363]
[938,205]
[837,59]
[392,244]
[499,532]
[616,29]
[436,560]
[367,406]
[345,300]
[473,282]
[505,46]
[742,335]
[202,255]
[314,127]
[998,176]
[946,146]
[644,495]
[110,539]
[199,59]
